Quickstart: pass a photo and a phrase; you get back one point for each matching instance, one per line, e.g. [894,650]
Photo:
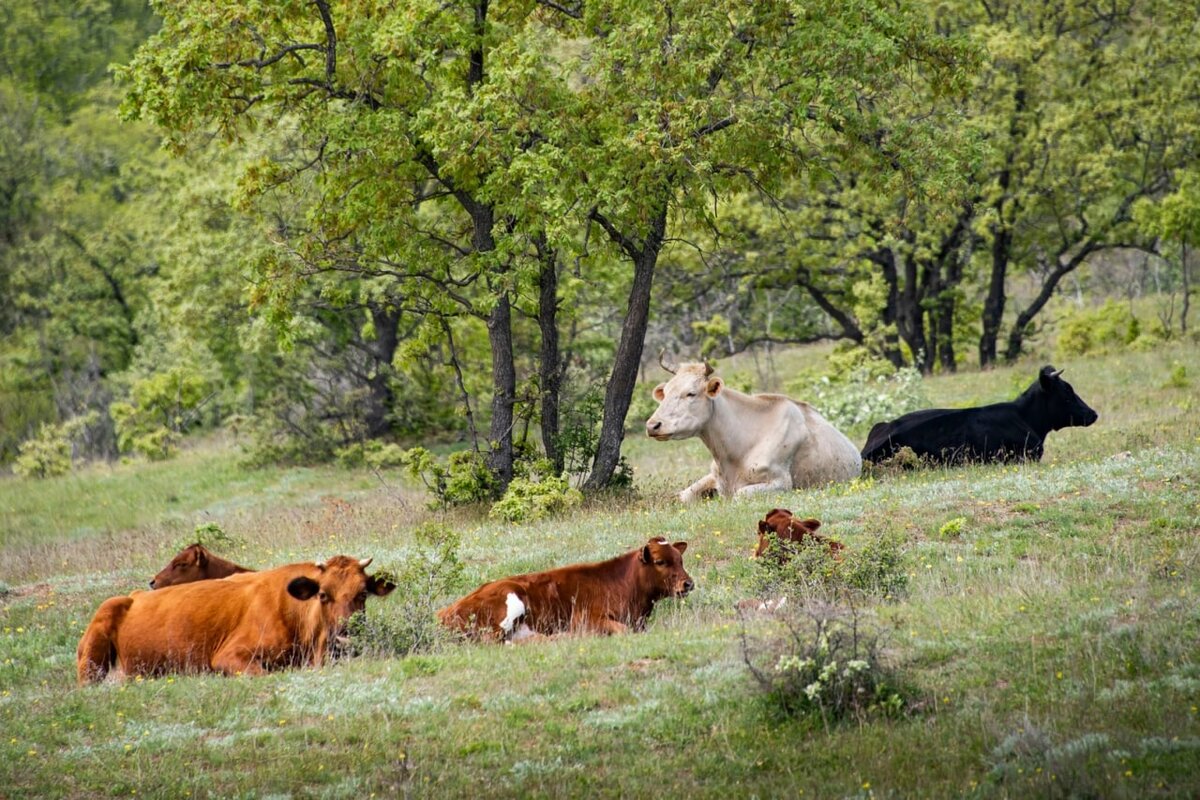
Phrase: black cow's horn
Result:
[662,363]
[1056,373]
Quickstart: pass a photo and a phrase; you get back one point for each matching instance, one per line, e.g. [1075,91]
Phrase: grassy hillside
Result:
[1049,647]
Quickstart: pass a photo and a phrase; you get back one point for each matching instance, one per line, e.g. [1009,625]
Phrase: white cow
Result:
[759,442]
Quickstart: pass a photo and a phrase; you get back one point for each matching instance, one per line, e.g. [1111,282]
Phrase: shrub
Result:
[1109,327]
[50,452]
[212,536]
[863,396]
[826,663]
[463,479]
[805,570]
[160,408]
[431,575]
[372,454]
[528,500]
[953,529]
[1178,378]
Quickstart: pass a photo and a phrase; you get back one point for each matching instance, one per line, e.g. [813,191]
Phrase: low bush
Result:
[430,577]
[462,480]
[808,570]
[528,499]
[372,453]
[1104,329]
[51,451]
[862,396]
[826,661]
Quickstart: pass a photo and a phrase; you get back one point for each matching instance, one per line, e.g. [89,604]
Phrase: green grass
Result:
[1050,644]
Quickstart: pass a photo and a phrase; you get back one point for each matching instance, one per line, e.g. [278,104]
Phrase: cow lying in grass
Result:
[605,597]
[195,563]
[759,443]
[245,624]
[781,524]
[1001,432]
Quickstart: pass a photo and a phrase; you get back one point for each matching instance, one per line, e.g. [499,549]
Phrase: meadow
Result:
[1048,634]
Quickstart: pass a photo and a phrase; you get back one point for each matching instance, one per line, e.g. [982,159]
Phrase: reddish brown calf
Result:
[605,597]
[195,563]
[779,521]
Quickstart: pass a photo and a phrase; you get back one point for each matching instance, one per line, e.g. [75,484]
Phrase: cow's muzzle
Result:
[685,588]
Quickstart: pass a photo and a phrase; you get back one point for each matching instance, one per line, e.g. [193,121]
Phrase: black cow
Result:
[1000,432]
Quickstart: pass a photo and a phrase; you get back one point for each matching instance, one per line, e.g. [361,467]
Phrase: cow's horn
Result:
[365,562]
[662,363]
[320,565]
[708,370]
[1056,373]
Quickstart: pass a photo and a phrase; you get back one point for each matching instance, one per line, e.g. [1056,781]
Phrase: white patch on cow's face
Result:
[685,405]
[515,608]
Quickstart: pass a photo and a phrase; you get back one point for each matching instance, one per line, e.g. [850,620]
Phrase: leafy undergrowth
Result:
[1045,640]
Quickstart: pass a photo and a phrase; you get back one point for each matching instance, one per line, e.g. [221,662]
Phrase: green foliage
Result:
[373,454]
[212,536]
[808,569]
[160,408]
[864,395]
[50,452]
[528,500]
[1178,378]
[1108,327]
[713,332]
[464,478]
[827,663]
[432,573]
[953,528]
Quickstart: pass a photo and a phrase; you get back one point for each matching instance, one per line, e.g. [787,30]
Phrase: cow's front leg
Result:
[766,481]
[237,660]
[705,487]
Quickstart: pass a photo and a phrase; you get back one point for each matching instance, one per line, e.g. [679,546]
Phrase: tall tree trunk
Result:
[1002,240]
[629,348]
[891,342]
[550,367]
[380,396]
[1187,287]
[504,392]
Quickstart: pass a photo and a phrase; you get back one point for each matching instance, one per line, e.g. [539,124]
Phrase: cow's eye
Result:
[691,394]
[658,562]
[323,596]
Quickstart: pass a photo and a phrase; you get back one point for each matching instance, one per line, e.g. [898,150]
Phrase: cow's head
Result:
[1058,403]
[190,565]
[780,523]
[661,565]
[340,586]
[684,403]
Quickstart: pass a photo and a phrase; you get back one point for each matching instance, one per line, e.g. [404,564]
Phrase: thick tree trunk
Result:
[550,368]
[629,350]
[380,396]
[504,392]
[891,341]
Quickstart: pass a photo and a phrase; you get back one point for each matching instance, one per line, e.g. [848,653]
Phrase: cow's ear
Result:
[646,554]
[680,546]
[379,586]
[715,385]
[303,588]
[811,524]
[201,557]
[1047,376]
[658,392]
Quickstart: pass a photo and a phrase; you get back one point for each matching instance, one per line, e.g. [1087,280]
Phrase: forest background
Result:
[342,229]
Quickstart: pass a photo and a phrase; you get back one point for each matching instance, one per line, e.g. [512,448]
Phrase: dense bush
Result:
[50,452]
[827,662]
[431,575]
[1103,329]
[528,499]
[866,394]
[463,479]
[371,453]
[160,407]
[806,570]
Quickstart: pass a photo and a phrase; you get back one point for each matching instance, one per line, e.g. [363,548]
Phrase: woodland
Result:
[344,229]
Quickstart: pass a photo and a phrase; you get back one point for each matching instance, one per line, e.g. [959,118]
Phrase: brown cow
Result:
[605,597]
[246,623]
[195,563]
[785,527]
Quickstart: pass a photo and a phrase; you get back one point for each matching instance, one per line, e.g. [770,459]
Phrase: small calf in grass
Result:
[195,563]
[788,528]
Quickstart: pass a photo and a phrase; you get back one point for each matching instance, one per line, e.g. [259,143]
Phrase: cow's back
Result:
[826,455]
[951,436]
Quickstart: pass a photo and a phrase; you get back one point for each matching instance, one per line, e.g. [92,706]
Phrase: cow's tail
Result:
[98,648]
